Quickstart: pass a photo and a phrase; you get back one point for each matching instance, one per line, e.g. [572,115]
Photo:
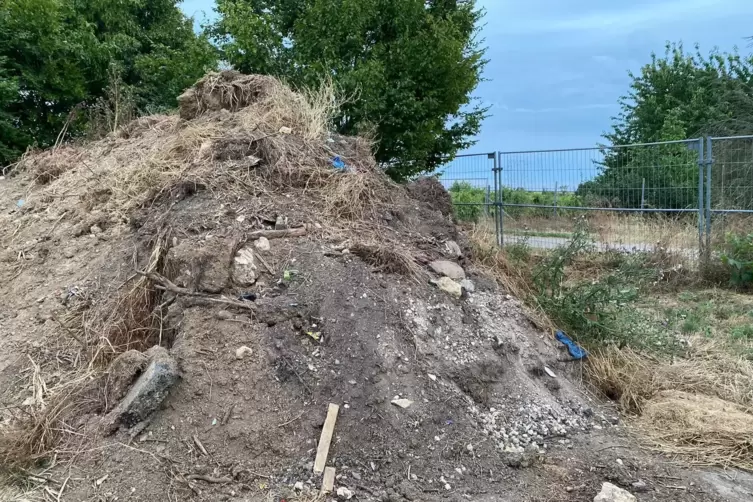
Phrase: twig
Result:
[37,476]
[199,445]
[264,262]
[278,234]
[295,372]
[62,488]
[227,414]
[69,331]
[208,479]
[291,421]
[165,284]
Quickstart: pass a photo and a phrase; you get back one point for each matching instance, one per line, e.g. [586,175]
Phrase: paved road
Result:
[556,242]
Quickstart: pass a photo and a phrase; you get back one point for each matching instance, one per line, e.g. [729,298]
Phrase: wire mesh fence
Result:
[729,189]
[675,196]
[634,198]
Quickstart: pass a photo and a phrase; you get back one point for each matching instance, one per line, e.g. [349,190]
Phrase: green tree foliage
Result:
[675,97]
[409,66]
[55,56]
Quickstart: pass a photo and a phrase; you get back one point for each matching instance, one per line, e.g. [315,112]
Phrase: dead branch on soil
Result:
[165,284]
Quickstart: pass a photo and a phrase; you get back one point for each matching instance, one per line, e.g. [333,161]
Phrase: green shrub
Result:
[596,312]
[738,257]
[468,201]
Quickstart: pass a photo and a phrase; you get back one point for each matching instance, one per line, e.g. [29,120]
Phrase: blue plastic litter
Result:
[575,350]
[20,202]
[338,163]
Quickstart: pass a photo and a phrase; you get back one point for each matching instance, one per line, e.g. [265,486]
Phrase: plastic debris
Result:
[338,163]
[20,202]
[241,352]
[575,350]
[550,372]
[285,130]
[247,297]
[316,335]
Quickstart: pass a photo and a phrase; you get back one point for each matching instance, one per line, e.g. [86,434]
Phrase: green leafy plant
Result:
[738,257]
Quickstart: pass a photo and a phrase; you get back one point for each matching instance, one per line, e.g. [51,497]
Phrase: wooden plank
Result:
[325,439]
[328,483]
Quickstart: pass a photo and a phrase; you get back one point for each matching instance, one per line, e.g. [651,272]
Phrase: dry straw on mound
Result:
[246,133]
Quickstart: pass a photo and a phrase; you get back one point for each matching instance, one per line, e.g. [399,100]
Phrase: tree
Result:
[411,66]
[55,56]
[675,97]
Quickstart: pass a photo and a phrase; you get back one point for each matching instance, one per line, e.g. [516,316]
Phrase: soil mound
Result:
[280,271]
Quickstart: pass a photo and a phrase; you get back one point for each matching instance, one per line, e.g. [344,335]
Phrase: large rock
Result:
[146,395]
[612,493]
[448,269]
[449,286]
[244,267]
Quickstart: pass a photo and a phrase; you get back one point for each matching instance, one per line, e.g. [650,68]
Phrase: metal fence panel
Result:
[471,181]
[729,189]
[634,198]
[679,197]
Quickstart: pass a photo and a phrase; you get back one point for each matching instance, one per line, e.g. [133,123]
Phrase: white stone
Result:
[449,286]
[262,244]
[468,285]
[402,403]
[344,493]
[612,493]
[244,268]
[452,249]
[243,351]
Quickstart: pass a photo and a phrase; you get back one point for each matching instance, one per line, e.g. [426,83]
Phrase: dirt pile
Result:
[282,271]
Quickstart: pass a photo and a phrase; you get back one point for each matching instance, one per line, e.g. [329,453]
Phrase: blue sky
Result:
[558,67]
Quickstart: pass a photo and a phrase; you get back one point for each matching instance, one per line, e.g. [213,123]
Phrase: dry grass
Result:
[43,427]
[706,430]
[698,406]
[390,257]
[246,134]
[127,321]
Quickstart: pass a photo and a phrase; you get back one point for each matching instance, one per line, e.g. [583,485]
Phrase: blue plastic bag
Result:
[575,350]
[338,164]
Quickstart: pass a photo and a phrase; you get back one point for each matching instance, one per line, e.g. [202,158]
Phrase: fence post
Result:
[643,195]
[709,163]
[701,214]
[498,213]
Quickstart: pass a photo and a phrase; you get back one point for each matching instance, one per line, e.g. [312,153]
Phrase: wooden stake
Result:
[328,483]
[326,438]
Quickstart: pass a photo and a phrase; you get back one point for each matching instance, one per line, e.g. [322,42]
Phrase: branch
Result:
[277,234]
[165,284]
